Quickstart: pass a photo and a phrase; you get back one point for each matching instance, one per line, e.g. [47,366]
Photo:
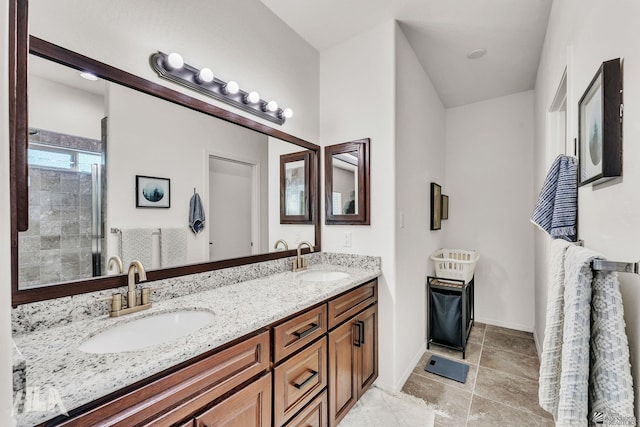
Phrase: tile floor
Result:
[501,387]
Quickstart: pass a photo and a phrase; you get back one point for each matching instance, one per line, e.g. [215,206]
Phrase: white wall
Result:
[581,35]
[240,40]
[357,101]
[489,182]
[64,109]
[6,370]
[420,160]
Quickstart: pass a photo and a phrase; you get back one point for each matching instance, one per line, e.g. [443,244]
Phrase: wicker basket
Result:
[457,264]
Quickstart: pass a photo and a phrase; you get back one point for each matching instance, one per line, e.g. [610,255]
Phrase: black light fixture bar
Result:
[187,76]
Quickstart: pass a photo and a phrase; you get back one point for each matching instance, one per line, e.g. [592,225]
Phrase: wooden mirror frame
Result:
[309,172]
[361,146]
[20,45]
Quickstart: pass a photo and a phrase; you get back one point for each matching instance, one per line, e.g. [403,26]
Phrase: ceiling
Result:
[442,33]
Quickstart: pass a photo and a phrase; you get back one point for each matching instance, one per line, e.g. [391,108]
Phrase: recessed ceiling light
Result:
[476,53]
[88,76]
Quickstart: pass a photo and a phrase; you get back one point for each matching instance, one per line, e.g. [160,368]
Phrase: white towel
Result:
[135,243]
[173,247]
[551,357]
[610,381]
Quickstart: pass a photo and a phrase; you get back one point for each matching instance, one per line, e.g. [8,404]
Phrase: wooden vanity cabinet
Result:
[353,350]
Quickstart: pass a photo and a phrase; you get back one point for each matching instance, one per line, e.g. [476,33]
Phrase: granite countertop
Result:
[66,378]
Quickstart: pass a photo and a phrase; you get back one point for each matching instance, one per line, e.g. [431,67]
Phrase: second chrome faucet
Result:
[300,263]
[132,295]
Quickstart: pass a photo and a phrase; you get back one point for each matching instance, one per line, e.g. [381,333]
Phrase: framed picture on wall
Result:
[600,126]
[445,206]
[152,192]
[436,206]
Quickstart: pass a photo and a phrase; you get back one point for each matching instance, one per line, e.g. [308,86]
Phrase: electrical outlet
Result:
[297,237]
[401,219]
[347,240]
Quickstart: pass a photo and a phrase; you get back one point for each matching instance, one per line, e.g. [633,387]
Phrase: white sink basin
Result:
[147,331]
[323,276]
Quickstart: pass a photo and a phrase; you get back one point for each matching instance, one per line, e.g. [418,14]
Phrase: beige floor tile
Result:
[467,385]
[450,403]
[517,392]
[477,333]
[511,363]
[472,356]
[487,413]
[508,342]
[509,331]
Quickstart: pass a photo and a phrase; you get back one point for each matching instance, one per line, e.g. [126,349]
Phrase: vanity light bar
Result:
[203,81]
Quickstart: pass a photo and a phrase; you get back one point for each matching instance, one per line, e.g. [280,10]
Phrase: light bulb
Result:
[205,76]
[272,106]
[231,88]
[174,61]
[287,113]
[252,97]
[88,76]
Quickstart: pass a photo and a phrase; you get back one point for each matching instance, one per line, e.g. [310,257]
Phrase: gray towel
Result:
[196,214]
[173,247]
[556,210]
[135,243]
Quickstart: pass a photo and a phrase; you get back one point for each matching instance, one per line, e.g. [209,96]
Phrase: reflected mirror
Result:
[347,183]
[295,188]
[88,140]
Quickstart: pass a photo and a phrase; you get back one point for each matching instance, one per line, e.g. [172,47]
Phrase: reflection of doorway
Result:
[232,208]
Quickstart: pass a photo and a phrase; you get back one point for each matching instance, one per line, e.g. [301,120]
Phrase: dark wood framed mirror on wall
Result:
[37,59]
[296,189]
[346,177]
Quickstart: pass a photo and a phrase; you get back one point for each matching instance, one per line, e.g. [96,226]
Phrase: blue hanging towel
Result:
[557,207]
[196,214]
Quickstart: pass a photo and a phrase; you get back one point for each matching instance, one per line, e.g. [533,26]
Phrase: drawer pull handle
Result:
[305,382]
[358,337]
[361,331]
[313,327]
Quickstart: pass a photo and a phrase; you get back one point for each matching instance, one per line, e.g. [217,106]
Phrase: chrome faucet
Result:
[286,247]
[115,261]
[132,295]
[300,263]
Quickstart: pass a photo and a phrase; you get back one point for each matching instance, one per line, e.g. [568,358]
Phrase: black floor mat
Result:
[447,368]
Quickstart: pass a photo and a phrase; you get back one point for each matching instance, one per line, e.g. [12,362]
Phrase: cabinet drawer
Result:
[179,395]
[249,407]
[314,415]
[350,304]
[292,335]
[298,380]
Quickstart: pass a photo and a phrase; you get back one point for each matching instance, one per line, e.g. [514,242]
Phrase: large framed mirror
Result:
[77,146]
[346,174]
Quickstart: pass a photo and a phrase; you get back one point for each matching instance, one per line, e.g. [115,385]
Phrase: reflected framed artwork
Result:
[436,206]
[152,192]
[445,206]
[600,126]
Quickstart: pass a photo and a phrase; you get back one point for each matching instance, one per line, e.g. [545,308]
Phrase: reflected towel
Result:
[196,214]
[173,247]
[135,243]
[556,210]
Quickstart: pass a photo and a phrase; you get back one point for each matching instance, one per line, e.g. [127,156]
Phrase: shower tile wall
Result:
[57,245]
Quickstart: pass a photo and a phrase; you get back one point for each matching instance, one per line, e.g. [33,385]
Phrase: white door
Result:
[230,208]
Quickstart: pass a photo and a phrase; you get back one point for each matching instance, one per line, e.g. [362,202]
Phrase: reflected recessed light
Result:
[476,53]
[88,76]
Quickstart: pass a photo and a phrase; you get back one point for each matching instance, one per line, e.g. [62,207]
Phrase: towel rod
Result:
[604,265]
[118,231]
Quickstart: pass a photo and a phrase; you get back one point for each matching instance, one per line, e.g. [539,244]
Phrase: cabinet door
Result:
[314,415]
[249,407]
[343,391]
[367,352]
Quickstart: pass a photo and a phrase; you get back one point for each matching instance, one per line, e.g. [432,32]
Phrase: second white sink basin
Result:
[323,276]
[147,331]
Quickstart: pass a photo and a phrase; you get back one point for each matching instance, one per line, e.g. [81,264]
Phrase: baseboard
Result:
[409,369]
[538,344]
[509,325]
